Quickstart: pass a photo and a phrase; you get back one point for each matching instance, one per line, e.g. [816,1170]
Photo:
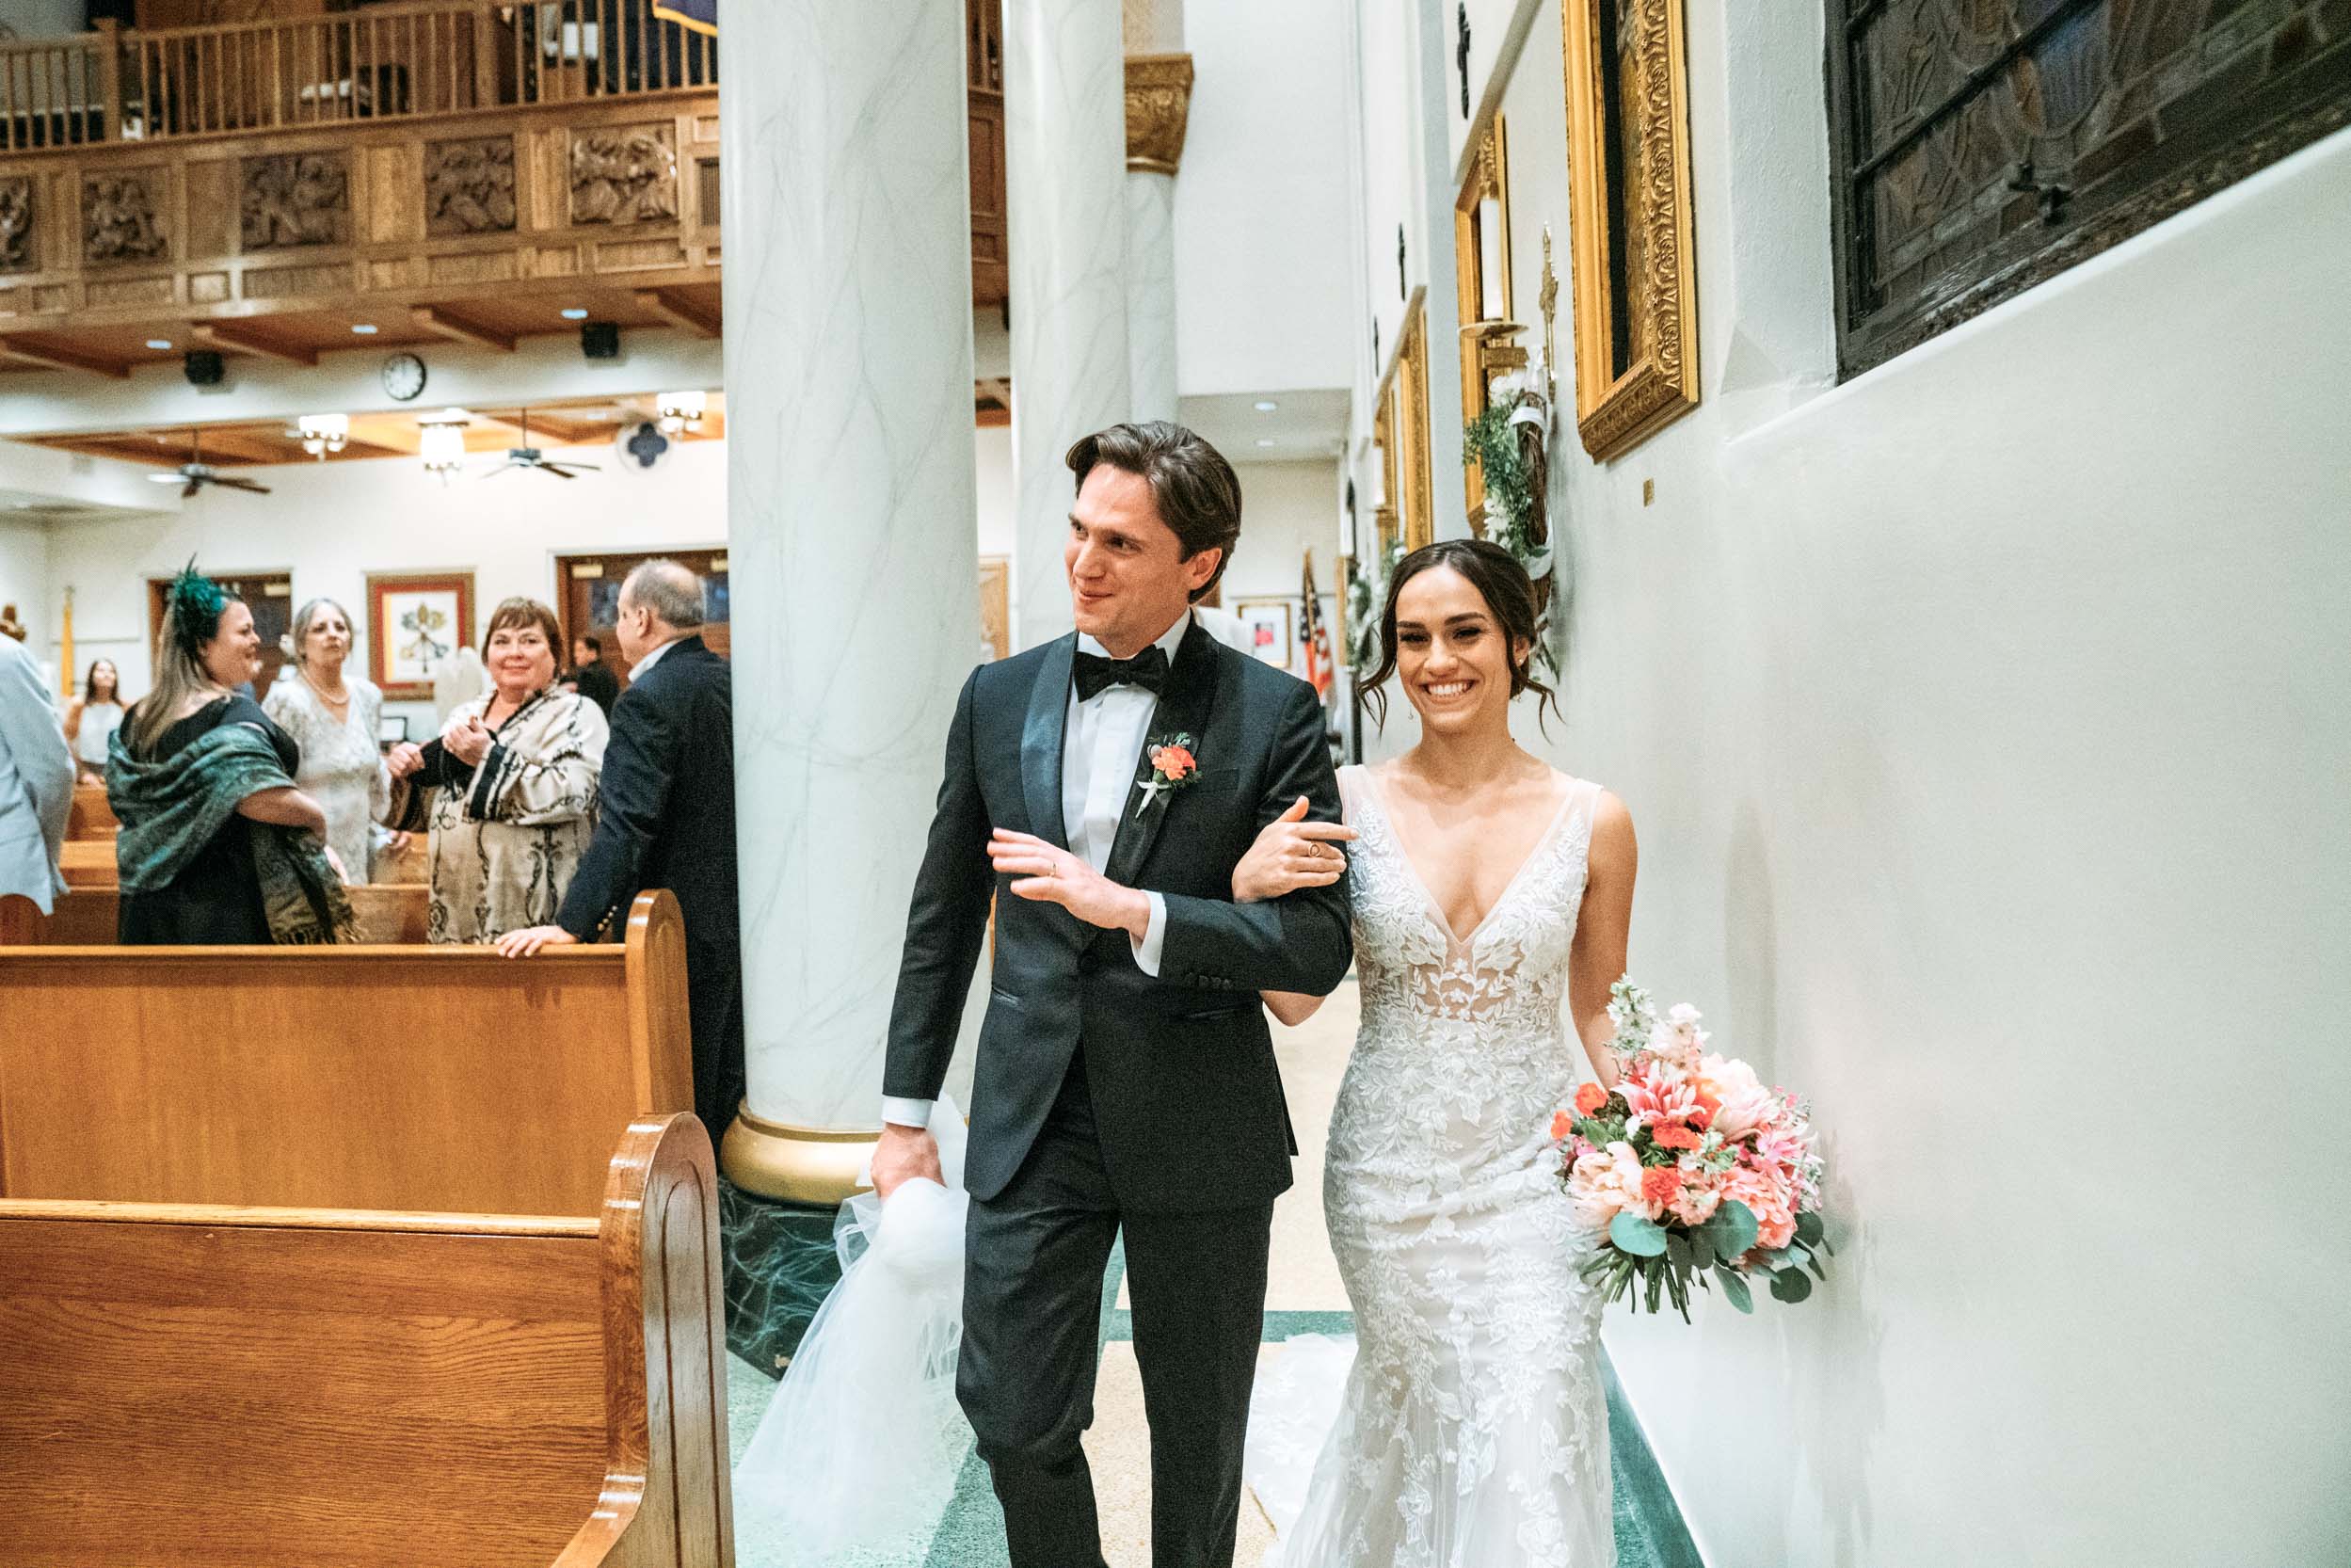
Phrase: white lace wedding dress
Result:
[1471,1431]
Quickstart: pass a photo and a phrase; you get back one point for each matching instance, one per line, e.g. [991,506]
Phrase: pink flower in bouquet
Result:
[1746,1102]
[1680,1040]
[1658,1092]
[1673,1135]
[1769,1196]
[1605,1181]
[1700,1196]
[1660,1185]
[1782,1149]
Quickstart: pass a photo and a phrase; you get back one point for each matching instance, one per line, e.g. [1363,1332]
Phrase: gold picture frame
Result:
[1635,263]
[1407,424]
[1481,234]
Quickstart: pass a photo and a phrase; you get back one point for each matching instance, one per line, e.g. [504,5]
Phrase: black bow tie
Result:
[1095,674]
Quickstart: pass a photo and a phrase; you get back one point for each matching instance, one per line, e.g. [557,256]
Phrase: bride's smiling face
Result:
[1451,655]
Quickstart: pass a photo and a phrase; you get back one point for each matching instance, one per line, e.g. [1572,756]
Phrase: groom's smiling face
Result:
[1129,580]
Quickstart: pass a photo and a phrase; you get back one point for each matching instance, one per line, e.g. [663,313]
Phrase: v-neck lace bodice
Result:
[1472,1432]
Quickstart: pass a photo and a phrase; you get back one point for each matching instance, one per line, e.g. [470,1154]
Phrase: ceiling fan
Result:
[527,456]
[195,473]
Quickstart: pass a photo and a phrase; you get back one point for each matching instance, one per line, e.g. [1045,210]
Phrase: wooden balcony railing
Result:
[409,60]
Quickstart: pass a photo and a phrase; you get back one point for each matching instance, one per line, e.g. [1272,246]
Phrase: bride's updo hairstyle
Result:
[1509,593]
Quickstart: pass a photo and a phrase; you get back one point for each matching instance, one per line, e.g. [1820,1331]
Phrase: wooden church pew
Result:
[90,863]
[92,816]
[217,1387]
[401,1077]
[86,916]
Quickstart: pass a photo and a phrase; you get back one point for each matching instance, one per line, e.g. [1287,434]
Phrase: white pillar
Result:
[851,529]
[1065,157]
[1158,106]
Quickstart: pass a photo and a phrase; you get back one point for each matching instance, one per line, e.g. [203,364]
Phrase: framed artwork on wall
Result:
[1269,624]
[1481,266]
[1404,397]
[414,622]
[1635,265]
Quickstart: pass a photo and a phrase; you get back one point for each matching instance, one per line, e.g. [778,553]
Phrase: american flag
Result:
[1315,634]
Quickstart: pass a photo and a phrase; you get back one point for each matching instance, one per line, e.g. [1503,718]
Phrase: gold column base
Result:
[798,1165]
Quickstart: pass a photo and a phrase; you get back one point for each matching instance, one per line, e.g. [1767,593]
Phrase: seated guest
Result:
[513,780]
[334,718]
[590,676]
[36,782]
[669,820]
[91,719]
[217,844]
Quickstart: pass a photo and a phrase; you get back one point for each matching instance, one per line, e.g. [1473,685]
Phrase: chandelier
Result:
[442,447]
[681,410]
[323,433]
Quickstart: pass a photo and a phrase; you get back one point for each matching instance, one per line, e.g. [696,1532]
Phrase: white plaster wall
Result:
[1286,511]
[24,583]
[332,524]
[1986,726]
[1264,299]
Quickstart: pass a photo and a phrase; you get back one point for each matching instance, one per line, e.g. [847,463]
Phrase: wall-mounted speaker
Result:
[600,340]
[203,367]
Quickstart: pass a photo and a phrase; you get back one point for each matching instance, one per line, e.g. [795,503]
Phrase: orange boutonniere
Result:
[1172,766]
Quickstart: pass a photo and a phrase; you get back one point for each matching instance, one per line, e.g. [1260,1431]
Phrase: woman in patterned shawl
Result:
[514,787]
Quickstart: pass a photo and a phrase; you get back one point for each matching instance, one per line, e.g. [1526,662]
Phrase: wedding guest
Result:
[91,719]
[514,787]
[217,844]
[590,676]
[669,820]
[334,716]
[36,782]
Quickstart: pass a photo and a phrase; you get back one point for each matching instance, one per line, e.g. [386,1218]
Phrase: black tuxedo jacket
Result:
[1187,1098]
[667,814]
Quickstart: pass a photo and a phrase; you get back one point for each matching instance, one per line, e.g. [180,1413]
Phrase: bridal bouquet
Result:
[1690,1166]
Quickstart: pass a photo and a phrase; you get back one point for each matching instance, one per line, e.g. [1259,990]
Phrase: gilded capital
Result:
[1158,105]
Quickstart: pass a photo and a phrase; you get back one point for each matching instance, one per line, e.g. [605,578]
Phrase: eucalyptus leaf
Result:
[1735,1288]
[1808,1227]
[1677,1249]
[1700,1249]
[1732,1229]
[1644,1238]
[1813,1264]
[1789,1285]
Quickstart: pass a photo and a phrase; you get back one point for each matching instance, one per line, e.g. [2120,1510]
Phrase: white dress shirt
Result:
[636,671]
[1101,744]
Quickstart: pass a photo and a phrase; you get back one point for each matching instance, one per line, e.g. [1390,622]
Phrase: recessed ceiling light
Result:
[1265,404]
[159,342]
[1265,440]
[365,329]
[574,313]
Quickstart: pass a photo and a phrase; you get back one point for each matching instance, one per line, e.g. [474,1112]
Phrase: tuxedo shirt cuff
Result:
[1154,938]
[899,1110]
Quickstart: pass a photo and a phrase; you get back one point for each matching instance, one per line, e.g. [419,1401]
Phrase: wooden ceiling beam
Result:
[438,318]
[244,340]
[64,359]
[680,311]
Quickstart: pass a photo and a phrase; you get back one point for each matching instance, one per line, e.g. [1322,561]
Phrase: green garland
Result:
[1513,493]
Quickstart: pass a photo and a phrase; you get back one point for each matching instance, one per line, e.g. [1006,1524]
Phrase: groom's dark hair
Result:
[1194,488]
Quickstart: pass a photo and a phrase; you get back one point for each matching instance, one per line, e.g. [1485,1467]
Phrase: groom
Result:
[1100,789]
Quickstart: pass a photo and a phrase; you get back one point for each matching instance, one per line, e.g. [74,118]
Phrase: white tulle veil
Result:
[856,1458]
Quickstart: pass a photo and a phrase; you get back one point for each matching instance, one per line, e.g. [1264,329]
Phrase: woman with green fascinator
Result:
[216,844]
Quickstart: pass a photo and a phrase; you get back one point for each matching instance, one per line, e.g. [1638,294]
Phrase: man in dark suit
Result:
[589,675]
[1101,789]
[666,819]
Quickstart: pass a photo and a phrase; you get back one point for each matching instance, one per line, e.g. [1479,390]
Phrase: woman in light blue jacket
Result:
[36,782]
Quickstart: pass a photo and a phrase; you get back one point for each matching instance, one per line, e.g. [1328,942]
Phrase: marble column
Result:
[1065,153]
[850,524]
[1158,105]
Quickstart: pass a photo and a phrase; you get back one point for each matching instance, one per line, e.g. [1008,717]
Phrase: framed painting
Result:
[1481,267]
[1635,264]
[1269,624]
[414,622]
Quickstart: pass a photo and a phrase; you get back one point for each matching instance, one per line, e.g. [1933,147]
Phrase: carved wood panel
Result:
[122,215]
[294,198]
[16,224]
[469,186]
[624,174]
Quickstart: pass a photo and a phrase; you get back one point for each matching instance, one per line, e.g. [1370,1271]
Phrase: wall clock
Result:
[404,378]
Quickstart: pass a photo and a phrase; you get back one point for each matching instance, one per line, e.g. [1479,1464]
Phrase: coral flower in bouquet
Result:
[1692,1166]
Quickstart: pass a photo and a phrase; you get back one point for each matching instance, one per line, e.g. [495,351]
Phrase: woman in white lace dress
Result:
[335,718]
[1489,888]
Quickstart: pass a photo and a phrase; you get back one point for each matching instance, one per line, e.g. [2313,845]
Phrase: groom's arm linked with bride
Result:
[1098,793]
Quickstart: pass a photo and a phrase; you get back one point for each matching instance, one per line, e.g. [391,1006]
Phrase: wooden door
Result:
[588,594]
[268,595]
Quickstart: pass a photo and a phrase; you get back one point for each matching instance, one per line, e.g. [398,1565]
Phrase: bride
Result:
[1471,1431]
